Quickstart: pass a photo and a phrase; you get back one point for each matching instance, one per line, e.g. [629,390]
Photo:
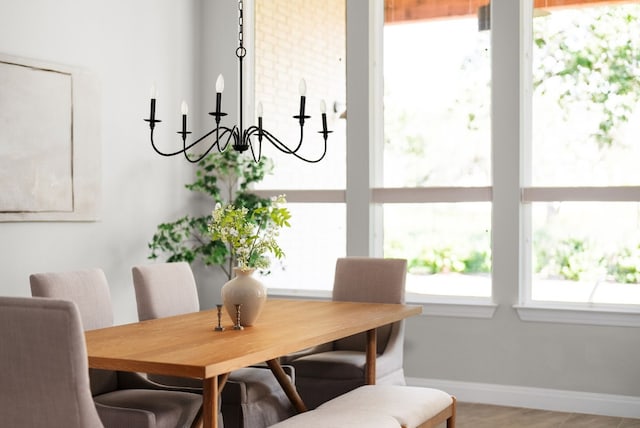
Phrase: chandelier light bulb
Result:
[302,88]
[153,92]
[259,109]
[220,83]
[184,108]
[323,106]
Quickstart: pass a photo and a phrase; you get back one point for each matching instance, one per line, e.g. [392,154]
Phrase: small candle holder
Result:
[219,327]
[238,326]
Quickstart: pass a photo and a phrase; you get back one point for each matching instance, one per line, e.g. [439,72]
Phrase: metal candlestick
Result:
[219,327]
[238,326]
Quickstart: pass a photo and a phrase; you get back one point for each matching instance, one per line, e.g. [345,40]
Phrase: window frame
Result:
[510,192]
[550,311]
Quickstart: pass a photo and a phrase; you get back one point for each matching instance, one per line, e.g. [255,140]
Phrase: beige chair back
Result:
[367,279]
[43,361]
[164,289]
[89,290]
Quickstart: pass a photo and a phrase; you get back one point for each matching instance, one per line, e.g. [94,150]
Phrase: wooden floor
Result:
[471,415]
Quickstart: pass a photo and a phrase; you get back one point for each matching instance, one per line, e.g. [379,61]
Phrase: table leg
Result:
[287,386]
[372,352]
[210,402]
[222,380]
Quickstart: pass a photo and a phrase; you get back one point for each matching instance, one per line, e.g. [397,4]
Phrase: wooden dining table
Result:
[188,345]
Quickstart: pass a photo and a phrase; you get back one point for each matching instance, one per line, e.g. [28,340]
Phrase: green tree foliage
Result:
[597,63]
[223,177]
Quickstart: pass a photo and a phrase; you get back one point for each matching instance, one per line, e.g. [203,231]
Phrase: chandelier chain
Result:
[241,51]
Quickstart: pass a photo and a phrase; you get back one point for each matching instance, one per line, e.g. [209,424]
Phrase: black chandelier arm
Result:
[218,143]
[167,154]
[285,149]
[246,139]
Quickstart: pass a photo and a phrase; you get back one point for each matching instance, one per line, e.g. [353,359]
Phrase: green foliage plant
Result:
[626,266]
[222,178]
[437,260]
[250,236]
[603,64]
[573,259]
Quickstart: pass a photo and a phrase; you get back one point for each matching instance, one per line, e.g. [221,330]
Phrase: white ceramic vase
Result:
[246,291]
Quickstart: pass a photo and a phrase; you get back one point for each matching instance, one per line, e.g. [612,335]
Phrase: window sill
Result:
[286,293]
[579,314]
[441,306]
[450,306]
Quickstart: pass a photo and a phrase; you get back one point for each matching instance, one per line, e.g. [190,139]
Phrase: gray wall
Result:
[129,44]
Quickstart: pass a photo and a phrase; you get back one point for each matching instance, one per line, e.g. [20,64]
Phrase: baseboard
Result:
[536,398]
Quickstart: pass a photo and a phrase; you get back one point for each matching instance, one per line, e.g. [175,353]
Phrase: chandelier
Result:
[238,137]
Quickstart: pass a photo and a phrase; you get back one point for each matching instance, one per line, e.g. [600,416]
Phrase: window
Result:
[582,193]
[304,39]
[524,190]
[437,147]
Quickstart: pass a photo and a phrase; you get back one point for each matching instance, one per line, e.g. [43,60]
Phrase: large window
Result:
[437,147]
[583,176]
[304,39]
[525,190]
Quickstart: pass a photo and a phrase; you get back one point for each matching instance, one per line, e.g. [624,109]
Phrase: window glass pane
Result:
[447,246]
[436,96]
[586,252]
[586,63]
[298,39]
[316,238]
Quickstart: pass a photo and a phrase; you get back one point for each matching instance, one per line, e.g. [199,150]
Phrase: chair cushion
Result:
[249,385]
[151,408]
[332,365]
[358,342]
[348,419]
[410,405]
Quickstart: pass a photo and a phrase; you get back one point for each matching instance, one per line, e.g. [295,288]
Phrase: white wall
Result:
[126,45]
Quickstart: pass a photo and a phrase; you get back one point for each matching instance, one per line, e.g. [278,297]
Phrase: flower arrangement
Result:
[250,236]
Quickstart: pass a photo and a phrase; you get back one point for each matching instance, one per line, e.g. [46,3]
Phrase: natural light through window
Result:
[437,139]
[304,39]
[586,112]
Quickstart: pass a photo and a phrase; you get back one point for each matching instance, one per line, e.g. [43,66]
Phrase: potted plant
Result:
[223,178]
[250,237]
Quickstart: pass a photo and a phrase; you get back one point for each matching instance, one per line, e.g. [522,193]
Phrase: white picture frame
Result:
[49,142]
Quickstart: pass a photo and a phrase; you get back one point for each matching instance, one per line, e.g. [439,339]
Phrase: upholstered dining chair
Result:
[43,361]
[332,369]
[122,399]
[251,397]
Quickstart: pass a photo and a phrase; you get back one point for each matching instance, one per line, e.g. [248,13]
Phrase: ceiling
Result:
[414,10]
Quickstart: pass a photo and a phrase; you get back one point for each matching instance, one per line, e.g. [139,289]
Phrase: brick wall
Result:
[299,39]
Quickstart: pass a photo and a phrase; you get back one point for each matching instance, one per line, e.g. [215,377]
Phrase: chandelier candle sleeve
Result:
[152,114]
[323,110]
[302,88]
[219,89]
[185,110]
[259,113]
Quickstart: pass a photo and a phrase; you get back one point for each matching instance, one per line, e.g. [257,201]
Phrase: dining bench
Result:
[380,406]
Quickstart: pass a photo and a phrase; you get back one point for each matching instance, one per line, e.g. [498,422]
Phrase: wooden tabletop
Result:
[187,345]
